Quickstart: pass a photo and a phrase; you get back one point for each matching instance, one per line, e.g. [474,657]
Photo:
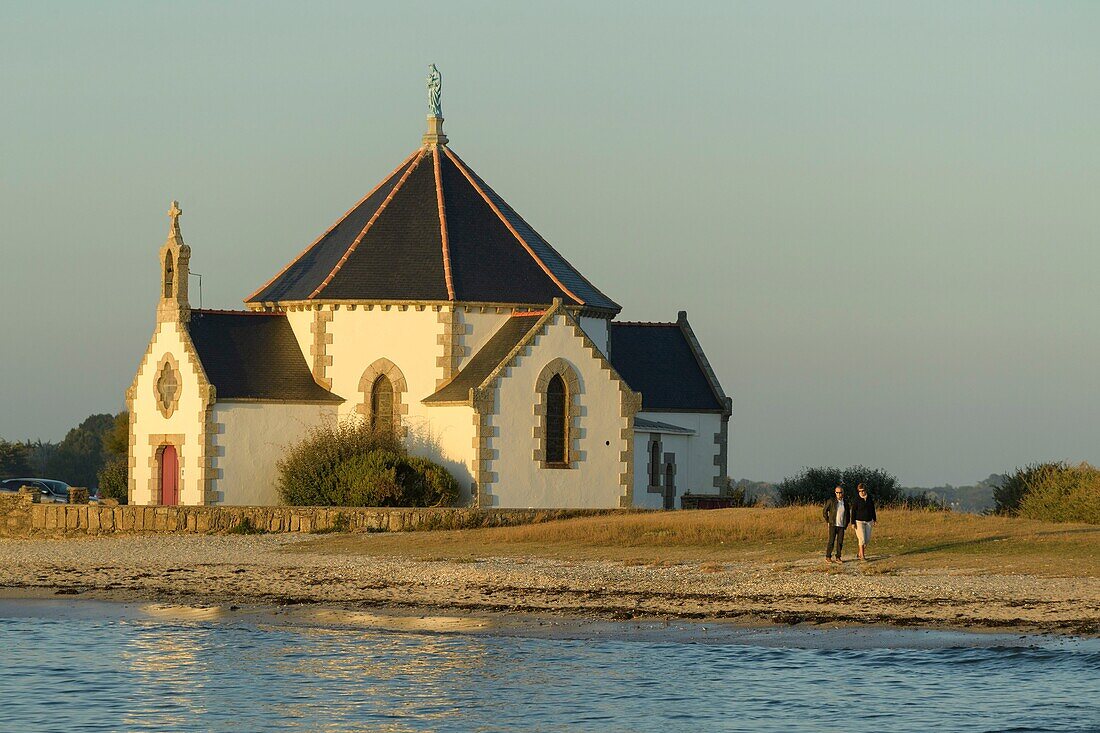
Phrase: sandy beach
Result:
[287,570]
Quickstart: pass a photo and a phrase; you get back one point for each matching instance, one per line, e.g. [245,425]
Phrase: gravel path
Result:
[202,569]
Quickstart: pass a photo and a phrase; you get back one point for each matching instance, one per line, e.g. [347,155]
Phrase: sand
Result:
[220,572]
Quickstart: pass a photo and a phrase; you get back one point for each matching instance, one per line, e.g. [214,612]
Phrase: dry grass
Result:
[903,539]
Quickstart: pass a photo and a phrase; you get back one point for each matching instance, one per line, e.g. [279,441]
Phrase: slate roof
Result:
[658,360]
[432,230]
[253,356]
[482,364]
[642,425]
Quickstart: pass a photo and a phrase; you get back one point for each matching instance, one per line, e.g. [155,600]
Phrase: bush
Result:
[1007,496]
[1059,493]
[114,479]
[351,465]
[815,485]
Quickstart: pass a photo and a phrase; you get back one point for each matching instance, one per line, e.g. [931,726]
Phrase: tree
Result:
[114,477]
[1007,496]
[77,458]
[116,441]
[14,459]
[815,485]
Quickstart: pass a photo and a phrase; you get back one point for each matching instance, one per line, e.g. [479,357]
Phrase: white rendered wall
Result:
[681,446]
[596,328]
[520,480]
[186,421]
[251,438]
[481,327]
[445,434]
[409,339]
[301,323]
[697,472]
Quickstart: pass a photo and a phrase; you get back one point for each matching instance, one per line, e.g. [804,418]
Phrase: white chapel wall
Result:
[409,339]
[184,424]
[521,481]
[698,471]
[445,434]
[596,328]
[677,444]
[251,438]
[405,337]
[482,323]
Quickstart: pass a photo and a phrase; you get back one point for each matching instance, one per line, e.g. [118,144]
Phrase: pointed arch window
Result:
[169,275]
[556,421]
[381,403]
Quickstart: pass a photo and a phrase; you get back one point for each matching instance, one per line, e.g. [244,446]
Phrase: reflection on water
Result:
[179,670]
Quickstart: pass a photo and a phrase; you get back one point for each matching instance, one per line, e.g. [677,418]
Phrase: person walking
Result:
[838,515]
[863,514]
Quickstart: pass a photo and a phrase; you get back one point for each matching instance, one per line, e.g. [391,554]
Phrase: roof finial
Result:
[174,215]
[434,135]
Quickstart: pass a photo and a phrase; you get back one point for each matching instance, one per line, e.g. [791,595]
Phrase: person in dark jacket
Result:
[838,514]
[863,514]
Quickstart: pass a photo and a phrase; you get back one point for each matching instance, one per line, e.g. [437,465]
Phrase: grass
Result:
[903,539]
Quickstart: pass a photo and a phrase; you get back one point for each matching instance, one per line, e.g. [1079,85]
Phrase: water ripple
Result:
[134,674]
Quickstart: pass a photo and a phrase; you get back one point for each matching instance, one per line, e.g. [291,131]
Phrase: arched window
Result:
[556,421]
[169,275]
[655,462]
[381,403]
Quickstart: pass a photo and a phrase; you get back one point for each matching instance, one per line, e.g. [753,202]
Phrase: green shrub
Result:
[114,479]
[372,479]
[350,465]
[815,485]
[308,470]
[1059,493]
[1007,496]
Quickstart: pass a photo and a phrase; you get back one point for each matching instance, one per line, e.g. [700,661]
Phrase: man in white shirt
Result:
[838,515]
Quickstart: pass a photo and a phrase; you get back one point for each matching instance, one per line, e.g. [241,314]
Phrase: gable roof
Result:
[253,356]
[488,358]
[661,361]
[432,230]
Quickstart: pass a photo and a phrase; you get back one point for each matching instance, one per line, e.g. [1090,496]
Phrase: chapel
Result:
[433,309]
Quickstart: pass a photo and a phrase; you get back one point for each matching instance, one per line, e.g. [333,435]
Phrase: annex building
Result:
[433,309]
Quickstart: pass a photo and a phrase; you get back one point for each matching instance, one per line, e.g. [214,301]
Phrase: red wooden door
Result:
[169,476]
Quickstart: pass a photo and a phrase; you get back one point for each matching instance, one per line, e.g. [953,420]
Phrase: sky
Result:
[882,218]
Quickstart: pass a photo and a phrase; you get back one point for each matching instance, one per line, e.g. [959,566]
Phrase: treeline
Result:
[1051,491]
[99,442]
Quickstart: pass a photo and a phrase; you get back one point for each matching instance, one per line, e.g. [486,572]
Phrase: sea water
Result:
[85,666]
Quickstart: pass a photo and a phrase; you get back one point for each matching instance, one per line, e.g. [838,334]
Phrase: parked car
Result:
[50,489]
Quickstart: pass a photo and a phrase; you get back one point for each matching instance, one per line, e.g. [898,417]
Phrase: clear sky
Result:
[882,218]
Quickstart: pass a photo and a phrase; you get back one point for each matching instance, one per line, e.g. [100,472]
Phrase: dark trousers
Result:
[836,534]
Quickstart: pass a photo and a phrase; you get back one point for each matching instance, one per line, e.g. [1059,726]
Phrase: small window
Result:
[556,421]
[655,462]
[381,404]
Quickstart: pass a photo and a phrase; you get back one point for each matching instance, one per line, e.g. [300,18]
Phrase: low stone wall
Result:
[20,517]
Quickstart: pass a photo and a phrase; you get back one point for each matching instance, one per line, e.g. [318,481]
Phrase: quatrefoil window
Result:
[168,389]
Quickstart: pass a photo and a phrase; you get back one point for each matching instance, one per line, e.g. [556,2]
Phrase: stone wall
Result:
[20,517]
